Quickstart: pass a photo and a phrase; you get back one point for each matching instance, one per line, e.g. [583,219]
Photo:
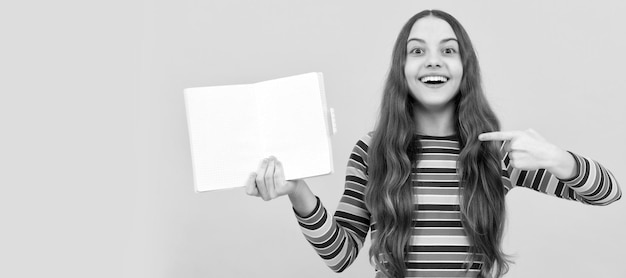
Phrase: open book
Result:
[232,128]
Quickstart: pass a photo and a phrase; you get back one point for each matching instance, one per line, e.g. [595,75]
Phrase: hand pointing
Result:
[528,150]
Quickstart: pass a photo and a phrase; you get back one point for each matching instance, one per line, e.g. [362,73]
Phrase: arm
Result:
[591,184]
[338,239]
[530,161]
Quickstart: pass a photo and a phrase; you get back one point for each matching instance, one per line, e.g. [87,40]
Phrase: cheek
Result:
[409,70]
[457,68]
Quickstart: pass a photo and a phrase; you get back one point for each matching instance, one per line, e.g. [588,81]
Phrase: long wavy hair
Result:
[394,151]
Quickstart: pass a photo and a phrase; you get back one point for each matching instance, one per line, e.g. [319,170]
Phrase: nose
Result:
[433,61]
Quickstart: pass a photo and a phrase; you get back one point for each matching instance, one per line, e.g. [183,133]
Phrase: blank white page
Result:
[294,116]
[223,131]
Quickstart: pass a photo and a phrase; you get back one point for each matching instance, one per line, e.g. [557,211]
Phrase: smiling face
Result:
[433,67]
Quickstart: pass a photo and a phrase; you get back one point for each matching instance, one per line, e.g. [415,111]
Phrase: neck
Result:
[435,122]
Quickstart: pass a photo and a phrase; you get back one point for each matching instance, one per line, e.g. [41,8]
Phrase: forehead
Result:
[431,28]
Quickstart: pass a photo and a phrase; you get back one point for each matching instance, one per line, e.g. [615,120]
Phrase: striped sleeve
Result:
[593,184]
[337,240]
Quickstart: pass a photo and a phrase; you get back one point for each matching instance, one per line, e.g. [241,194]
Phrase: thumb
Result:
[283,186]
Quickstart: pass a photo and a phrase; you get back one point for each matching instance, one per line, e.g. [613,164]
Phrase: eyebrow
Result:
[442,41]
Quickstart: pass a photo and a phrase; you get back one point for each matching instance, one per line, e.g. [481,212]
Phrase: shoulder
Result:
[367,138]
[364,142]
[359,156]
[360,150]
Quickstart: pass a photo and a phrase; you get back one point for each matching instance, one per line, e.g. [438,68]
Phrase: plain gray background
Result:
[95,164]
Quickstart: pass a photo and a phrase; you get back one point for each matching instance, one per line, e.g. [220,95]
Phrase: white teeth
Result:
[434,78]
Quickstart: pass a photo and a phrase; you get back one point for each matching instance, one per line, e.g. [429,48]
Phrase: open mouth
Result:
[434,80]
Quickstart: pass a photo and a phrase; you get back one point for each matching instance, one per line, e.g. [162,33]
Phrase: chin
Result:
[434,99]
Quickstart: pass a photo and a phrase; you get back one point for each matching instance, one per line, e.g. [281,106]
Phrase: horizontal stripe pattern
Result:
[438,246]
[592,184]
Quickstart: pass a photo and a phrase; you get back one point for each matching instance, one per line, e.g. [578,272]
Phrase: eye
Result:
[416,50]
[449,50]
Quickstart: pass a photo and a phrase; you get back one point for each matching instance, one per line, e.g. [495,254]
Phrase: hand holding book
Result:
[269,183]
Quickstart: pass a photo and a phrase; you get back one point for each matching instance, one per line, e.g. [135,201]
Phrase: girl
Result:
[430,180]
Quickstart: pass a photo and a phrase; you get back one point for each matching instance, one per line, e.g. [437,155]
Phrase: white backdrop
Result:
[95,163]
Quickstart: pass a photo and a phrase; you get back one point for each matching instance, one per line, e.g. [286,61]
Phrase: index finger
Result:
[498,136]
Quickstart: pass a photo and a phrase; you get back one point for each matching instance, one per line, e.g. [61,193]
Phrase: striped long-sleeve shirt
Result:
[438,246]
